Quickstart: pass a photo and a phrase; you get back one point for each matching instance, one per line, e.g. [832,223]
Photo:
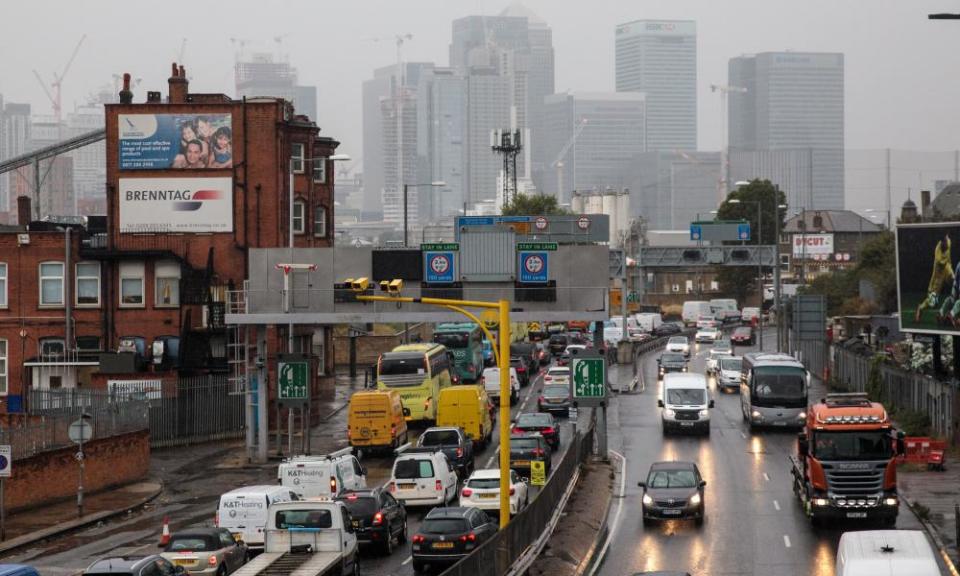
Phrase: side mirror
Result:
[642,484]
[703,483]
[901,445]
[803,444]
[363,470]
[710,405]
[659,403]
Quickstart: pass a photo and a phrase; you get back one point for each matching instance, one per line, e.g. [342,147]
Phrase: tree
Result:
[537,204]
[878,265]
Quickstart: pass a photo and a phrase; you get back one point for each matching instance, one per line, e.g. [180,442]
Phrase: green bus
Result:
[465,340]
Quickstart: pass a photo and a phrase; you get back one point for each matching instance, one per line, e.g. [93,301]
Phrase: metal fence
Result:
[177,412]
[899,388]
[495,556]
[814,355]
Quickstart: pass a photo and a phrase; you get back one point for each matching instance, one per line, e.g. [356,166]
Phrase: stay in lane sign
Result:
[533,267]
[438,267]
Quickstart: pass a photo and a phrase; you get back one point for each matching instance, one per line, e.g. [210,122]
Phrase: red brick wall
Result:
[53,475]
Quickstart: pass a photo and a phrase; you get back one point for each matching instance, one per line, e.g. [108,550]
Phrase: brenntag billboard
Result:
[927,284]
[812,245]
[175,141]
[176,205]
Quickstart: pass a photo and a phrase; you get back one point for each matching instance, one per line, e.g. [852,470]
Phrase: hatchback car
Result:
[526,448]
[378,518]
[671,362]
[449,534]
[482,490]
[543,424]
[667,329]
[558,343]
[679,344]
[707,335]
[742,335]
[557,375]
[205,551]
[673,490]
[720,349]
[555,399]
[152,565]
[455,445]
[523,369]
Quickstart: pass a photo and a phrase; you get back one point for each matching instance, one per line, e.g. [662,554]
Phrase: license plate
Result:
[521,462]
[183,562]
[488,496]
[671,512]
[856,514]
[237,536]
[406,486]
[443,545]
[779,423]
[686,423]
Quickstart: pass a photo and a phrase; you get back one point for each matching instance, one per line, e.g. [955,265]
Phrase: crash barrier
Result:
[178,412]
[496,556]
[922,450]
[898,389]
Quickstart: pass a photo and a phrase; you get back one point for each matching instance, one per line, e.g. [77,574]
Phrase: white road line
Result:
[407,561]
[786,541]
[616,516]
[492,458]
[766,476]
[776,505]
[744,436]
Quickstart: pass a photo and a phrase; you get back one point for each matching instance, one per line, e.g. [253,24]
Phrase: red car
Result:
[742,335]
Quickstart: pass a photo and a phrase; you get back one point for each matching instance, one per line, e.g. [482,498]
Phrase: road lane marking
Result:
[766,476]
[786,541]
[744,436]
[776,505]
[492,458]
[407,561]
[616,516]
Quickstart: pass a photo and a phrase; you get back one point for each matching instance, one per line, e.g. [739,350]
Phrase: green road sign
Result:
[534,246]
[589,378]
[440,247]
[294,379]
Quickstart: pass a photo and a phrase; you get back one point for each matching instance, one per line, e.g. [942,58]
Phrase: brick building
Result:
[181,216]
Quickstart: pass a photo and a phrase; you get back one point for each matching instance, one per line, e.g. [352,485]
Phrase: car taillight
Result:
[333,485]
[466,493]
[216,520]
[439,485]
[538,451]
[471,537]
[547,378]
[417,539]
[540,400]
[513,490]
[521,369]
[548,431]
[212,561]
[459,452]
[349,433]
[517,430]
[393,430]
[378,519]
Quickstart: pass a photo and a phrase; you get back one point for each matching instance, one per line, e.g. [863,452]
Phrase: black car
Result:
[542,424]
[673,490]
[667,329]
[449,534]
[455,445]
[378,518]
[525,448]
[558,343]
[523,369]
[529,352]
[672,362]
[555,399]
[152,565]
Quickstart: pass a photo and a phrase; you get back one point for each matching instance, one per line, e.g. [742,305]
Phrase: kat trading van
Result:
[376,420]
[467,407]
[243,511]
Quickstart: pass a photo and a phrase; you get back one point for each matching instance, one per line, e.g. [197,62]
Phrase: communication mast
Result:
[507,143]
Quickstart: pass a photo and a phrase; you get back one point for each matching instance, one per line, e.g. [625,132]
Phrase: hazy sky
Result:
[902,81]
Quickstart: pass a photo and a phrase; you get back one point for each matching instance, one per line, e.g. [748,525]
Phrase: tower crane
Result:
[724,90]
[558,163]
[57,84]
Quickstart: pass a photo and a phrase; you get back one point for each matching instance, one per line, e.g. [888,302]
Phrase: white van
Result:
[491,383]
[685,402]
[693,310]
[648,321]
[885,553]
[725,309]
[422,476]
[323,476]
[243,511]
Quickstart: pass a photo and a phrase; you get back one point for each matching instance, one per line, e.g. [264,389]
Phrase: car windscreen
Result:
[445,526]
[361,506]
[731,364]
[779,382]
[558,339]
[722,347]
[524,443]
[866,445]
[452,340]
[412,469]
[534,420]
[439,438]
[678,340]
[686,396]
[555,390]
[565,372]
[193,543]
[673,358]
[742,332]
[484,483]
[286,519]
[402,365]
[672,479]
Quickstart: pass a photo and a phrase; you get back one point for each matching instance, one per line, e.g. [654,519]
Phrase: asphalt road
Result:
[193,483]
[754,525]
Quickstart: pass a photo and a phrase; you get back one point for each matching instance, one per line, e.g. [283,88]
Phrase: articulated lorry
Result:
[845,467]
[313,537]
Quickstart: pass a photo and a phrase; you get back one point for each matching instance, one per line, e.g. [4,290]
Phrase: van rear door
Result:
[370,419]
[245,516]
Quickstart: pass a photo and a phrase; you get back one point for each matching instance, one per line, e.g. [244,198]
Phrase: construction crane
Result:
[724,90]
[57,84]
[558,163]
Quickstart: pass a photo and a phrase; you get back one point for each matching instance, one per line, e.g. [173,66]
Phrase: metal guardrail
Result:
[496,556]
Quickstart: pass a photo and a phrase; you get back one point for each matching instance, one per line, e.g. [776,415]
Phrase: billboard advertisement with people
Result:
[928,277]
[175,141]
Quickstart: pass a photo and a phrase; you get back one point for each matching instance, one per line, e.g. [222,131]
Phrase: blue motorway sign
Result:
[438,267]
[743,231]
[533,267]
[696,231]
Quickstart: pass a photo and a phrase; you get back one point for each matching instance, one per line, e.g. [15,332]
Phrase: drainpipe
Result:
[67,295]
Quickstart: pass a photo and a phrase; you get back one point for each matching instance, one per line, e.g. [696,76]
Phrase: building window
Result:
[3,285]
[51,284]
[167,273]
[320,221]
[318,343]
[298,216]
[3,368]
[52,348]
[320,170]
[88,343]
[296,158]
[88,284]
[131,284]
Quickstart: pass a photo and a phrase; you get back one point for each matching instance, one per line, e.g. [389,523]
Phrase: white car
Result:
[422,477]
[679,344]
[491,383]
[721,348]
[750,314]
[707,335]
[557,375]
[707,322]
[482,490]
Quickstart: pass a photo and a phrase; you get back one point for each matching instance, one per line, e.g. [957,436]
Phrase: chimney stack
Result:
[925,203]
[23,210]
[178,85]
[126,96]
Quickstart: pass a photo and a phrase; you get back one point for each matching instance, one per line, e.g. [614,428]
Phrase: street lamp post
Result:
[406,188]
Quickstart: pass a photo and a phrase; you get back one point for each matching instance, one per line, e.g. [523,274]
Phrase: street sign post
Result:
[80,431]
[6,469]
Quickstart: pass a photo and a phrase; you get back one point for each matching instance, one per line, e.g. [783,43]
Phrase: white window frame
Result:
[322,210]
[47,341]
[54,278]
[169,271]
[4,366]
[297,157]
[86,278]
[299,222]
[4,303]
[320,170]
[133,271]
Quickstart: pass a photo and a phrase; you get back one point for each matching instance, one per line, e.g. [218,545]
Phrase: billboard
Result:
[812,245]
[175,141]
[927,283]
[176,204]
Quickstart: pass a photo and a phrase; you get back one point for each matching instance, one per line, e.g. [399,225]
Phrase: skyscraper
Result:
[262,76]
[659,57]
[793,105]
[14,140]
[442,142]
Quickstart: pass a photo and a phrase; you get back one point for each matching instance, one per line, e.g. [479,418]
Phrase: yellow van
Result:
[376,420]
[467,407]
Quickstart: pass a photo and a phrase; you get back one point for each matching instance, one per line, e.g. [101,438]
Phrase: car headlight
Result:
[695,500]
[684,368]
[755,415]
[891,501]
[669,412]
[802,416]
[647,499]
[820,502]
[704,413]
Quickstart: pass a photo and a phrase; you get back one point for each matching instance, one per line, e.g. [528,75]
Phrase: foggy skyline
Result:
[899,89]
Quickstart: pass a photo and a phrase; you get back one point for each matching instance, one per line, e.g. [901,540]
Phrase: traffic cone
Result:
[165,535]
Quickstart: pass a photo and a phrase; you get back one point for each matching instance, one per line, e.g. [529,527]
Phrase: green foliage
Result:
[874,383]
[534,205]
[878,265]
[840,288]
[739,282]
[914,423]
